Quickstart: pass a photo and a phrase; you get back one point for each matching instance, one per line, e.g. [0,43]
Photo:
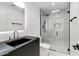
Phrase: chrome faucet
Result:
[14,35]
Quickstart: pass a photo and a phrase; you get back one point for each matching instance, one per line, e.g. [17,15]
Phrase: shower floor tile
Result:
[46,52]
[54,53]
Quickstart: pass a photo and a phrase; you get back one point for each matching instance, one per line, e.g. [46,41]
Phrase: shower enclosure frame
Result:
[68,28]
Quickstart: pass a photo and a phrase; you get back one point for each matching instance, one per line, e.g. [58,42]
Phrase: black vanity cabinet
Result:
[30,49]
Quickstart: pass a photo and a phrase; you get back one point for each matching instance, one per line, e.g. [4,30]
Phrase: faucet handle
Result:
[10,38]
[17,34]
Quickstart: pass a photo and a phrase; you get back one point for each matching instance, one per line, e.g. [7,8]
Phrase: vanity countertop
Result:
[5,48]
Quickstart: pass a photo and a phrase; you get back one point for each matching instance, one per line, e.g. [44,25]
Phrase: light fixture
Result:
[54,11]
[53,4]
[19,4]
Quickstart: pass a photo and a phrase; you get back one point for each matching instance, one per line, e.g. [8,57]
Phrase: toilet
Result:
[44,49]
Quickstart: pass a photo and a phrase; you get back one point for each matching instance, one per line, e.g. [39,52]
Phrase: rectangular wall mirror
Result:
[11,16]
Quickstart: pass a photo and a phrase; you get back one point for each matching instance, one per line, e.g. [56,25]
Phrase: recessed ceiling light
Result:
[54,11]
[19,4]
[53,4]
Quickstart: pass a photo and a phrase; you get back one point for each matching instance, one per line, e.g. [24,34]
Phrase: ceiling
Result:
[47,6]
[13,6]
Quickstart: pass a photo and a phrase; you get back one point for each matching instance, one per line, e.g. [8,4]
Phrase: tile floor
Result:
[54,53]
[46,52]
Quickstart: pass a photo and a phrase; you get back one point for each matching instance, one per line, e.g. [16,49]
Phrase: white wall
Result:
[32,20]
[74,27]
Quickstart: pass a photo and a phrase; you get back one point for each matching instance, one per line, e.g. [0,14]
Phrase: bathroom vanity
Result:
[22,46]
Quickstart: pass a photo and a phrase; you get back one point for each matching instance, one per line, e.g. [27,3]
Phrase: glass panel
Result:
[55,31]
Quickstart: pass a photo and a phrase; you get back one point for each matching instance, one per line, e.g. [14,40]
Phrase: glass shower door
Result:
[57,33]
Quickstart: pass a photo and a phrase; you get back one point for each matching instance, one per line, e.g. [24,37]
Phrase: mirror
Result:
[11,17]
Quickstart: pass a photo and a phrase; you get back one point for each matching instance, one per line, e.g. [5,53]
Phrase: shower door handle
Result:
[56,33]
